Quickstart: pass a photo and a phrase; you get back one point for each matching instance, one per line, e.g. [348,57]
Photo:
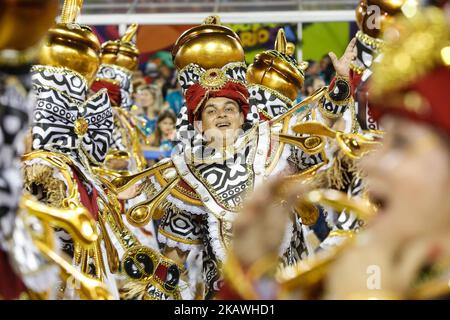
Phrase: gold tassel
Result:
[133,290]
[42,175]
[340,174]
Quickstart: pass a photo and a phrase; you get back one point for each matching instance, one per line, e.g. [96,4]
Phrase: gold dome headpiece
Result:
[122,52]
[71,45]
[277,69]
[24,22]
[209,45]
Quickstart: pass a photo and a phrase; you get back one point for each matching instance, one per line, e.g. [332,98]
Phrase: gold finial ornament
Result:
[23,23]
[275,69]
[71,45]
[209,45]
[374,16]
[212,20]
[122,52]
[130,33]
[281,42]
[71,11]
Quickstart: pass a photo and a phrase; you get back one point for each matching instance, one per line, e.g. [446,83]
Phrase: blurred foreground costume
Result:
[415,90]
[71,134]
[31,264]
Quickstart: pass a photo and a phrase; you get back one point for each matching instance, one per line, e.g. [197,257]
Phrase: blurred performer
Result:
[19,43]
[405,252]
[30,261]
[118,61]
[69,132]
[408,242]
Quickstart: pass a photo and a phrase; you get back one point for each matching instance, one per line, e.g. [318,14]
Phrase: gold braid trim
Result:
[136,290]
[42,175]
[358,70]
[373,43]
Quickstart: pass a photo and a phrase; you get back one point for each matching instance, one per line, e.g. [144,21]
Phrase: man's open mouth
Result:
[223,125]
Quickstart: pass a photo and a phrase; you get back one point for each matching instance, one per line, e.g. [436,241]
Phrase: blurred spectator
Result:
[149,102]
[138,79]
[313,68]
[312,84]
[163,137]
[161,70]
[174,98]
[327,69]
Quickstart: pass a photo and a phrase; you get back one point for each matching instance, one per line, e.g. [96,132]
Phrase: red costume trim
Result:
[113,90]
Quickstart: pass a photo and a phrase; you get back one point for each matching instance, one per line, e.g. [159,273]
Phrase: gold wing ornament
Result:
[52,178]
[79,225]
[353,145]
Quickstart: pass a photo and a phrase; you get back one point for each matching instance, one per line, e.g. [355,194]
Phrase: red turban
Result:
[432,89]
[197,95]
[113,90]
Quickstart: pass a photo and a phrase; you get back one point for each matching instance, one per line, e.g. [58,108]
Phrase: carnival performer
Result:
[71,134]
[274,80]
[224,153]
[119,59]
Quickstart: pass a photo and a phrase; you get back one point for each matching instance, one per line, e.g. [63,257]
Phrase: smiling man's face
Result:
[221,120]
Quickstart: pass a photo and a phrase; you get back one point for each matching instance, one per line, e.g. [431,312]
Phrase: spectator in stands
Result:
[313,68]
[327,69]
[163,138]
[312,84]
[174,98]
[148,99]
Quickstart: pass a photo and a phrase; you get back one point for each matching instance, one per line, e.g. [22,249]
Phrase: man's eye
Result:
[229,109]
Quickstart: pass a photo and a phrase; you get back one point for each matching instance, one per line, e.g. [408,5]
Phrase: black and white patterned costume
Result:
[123,76]
[125,138]
[368,49]
[214,184]
[76,130]
[327,230]
[60,101]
